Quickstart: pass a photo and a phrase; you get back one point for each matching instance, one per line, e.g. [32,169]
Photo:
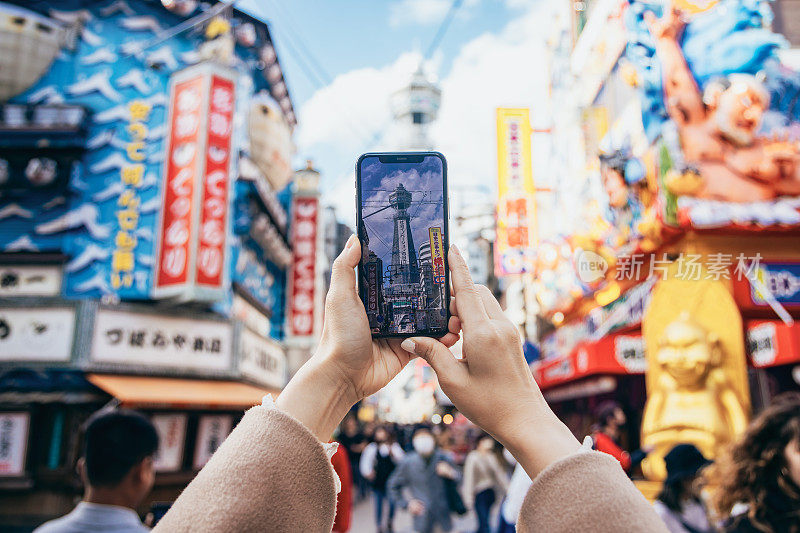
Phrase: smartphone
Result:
[401,221]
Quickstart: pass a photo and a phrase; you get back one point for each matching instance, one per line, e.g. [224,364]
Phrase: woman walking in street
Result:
[273,472]
[756,484]
[484,478]
[679,503]
[378,461]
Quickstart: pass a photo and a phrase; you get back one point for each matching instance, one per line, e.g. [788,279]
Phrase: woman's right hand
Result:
[493,385]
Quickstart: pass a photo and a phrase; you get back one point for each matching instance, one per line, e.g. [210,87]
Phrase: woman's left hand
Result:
[349,364]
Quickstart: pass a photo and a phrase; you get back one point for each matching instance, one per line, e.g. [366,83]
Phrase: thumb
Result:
[343,277]
[437,355]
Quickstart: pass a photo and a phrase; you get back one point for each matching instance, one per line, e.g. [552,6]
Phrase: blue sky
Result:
[492,55]
[378,179]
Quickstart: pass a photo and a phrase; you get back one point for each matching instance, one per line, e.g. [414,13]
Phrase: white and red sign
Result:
[13,443]
[303,275]
[194,213]
[214,207]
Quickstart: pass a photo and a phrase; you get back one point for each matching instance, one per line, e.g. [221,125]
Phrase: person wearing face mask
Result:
[378,461]
[421,473]
[273,472]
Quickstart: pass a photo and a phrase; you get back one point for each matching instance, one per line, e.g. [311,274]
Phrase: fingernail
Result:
[409,345]
[454,249]
[349,242]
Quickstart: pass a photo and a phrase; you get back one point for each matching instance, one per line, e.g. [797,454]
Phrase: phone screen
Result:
[402,226]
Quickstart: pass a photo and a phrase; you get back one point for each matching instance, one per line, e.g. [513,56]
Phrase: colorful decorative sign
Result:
[772,343]
[437,255]
[516,206]
[303,270]
[194,215]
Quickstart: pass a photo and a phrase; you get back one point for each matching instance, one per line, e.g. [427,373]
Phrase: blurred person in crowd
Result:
[679,503]
[755,485]
[422,473]
[353,439]
[273,471]
[515,495]
[344,500]
[484,478]
[610,420]
[378,461]
[117,470]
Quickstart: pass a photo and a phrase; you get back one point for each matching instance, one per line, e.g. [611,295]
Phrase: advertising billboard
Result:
[190,263]
[437,255]
[516,202]
[303,270]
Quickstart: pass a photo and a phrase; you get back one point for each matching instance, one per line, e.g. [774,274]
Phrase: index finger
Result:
[468,301]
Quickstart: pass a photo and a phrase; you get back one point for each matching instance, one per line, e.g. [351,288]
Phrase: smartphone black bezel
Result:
[409,157]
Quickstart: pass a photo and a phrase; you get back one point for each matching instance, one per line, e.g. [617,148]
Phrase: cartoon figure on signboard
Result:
[719,127]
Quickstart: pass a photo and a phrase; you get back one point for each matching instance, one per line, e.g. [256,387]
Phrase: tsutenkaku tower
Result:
[414,107]
[403,268]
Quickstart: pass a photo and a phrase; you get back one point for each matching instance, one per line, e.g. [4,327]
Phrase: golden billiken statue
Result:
[693,400]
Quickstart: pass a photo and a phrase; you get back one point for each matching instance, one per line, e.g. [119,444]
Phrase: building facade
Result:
[145,206]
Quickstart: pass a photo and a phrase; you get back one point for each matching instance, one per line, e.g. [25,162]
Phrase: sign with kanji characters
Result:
[36,334]
[262,359]
[126,338]
[191,258]
[303,271]
[437,255]
[13,443]
[372,287]
[171,429]
[30,280]
[516,201]
[211,431]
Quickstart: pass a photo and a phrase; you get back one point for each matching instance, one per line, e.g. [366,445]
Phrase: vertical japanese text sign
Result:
[516,205]
[303,274]
[437,255]
[194,213]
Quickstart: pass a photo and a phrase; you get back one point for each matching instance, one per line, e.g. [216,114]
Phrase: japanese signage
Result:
[13,443]
[121,337]
[211,431]
[262,359]
[171,430]
[372,287]
[194,214]
[214,204]
[629,351]
[772,342]
[250,316]
[402,241]
[123,257]
[303,272]
[516,209]
[33,280]
[36,334]
[437,255]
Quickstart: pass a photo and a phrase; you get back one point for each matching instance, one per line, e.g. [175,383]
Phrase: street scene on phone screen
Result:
[410,265]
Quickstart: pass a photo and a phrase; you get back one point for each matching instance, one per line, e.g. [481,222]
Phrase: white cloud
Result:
[493,70]
[424,11]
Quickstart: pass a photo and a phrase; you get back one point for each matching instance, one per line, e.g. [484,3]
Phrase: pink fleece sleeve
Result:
[270,474]
[587,491]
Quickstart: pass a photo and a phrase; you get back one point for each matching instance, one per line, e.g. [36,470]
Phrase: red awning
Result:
[773,343]
[613,354]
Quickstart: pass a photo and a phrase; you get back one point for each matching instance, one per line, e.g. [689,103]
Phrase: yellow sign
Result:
[516,193]
[437,254]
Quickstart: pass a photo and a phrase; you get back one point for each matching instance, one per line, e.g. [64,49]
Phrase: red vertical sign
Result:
[214,203]
[304,232]
[175,234]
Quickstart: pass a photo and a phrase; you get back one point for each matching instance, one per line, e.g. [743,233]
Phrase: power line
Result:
[448,18]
